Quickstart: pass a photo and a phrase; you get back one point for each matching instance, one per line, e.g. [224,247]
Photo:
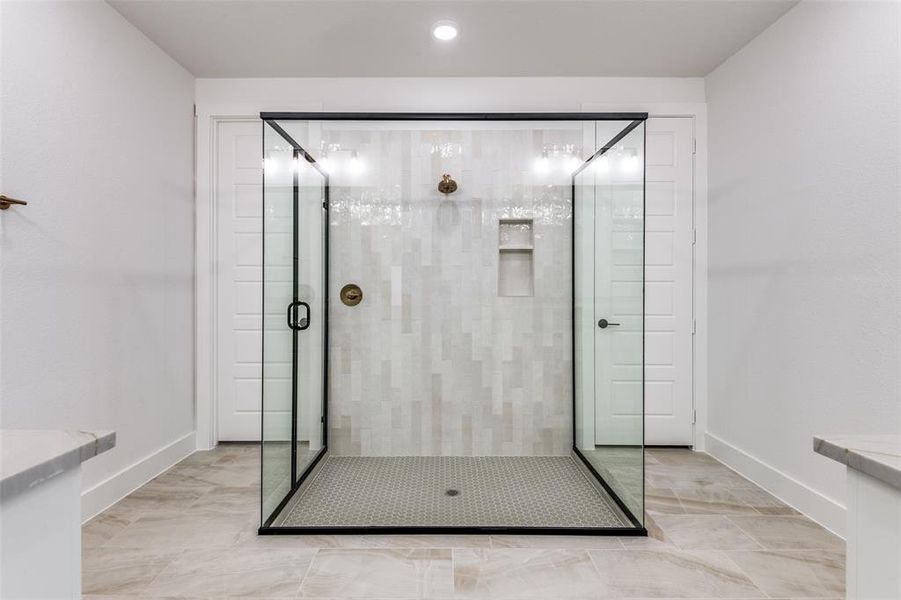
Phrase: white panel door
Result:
[668,272]
[618,250]
[239,178]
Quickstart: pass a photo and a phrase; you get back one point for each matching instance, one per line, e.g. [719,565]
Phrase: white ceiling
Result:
[376,38]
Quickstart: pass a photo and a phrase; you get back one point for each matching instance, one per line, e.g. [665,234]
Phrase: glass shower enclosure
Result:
[462,358]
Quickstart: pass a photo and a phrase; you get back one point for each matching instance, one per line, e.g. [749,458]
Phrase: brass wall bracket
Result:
[351,294]
[6,202]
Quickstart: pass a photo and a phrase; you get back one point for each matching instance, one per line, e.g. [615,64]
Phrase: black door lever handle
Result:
[604,324]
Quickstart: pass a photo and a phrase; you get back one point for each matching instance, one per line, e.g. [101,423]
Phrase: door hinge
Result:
[694,237]
[195,110]
[694,145]
[322,419]
[325,205]
[694,417]
[694,326]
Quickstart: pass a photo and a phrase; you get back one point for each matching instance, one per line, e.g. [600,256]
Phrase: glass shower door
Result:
[294,316]
[608,229]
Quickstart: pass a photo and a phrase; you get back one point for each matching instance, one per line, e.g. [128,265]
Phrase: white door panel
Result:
[240,304]
[239,279]
[618,249]
[668,293]
[668,254]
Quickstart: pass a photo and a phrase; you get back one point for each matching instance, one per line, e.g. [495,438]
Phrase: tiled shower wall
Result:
[433,361]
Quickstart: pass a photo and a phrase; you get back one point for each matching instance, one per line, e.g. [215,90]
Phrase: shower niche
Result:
[473,384]
[515,265]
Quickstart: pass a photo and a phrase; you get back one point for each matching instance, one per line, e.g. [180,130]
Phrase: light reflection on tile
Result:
[375,573]
[230,500]
[525,573]
[122,570]
[662,501]
[712,501]
[663,572]
[692,476]
[763,502]
[251,539]
[788,532]
[700,532]
[556,541]
[235,572]
[795,574]
[103,528]
[185,529]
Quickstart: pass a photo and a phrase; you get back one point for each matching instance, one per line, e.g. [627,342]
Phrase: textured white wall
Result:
[444,94]
[805,244]
[97,271]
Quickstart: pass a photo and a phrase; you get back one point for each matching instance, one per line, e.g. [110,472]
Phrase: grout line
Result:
[594,565]
[454,567]
[306,573]
[175,557]
[743,572]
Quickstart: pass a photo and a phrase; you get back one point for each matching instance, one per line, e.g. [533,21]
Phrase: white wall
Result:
[445,94]
[805,246]
[97,270]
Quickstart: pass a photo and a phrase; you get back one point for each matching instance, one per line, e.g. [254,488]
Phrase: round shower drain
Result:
[452,492]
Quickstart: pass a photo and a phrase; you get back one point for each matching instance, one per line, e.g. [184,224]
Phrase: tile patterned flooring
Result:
[494,491]
[191,534]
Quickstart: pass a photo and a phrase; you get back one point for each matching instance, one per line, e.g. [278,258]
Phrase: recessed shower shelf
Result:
[515,267]
[515,234]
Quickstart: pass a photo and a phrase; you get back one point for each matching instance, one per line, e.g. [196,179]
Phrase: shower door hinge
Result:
[694,417]
[694,145]
[694,326]
[694,237]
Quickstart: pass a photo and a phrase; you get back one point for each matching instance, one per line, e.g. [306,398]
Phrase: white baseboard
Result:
[112,489]
[806,500]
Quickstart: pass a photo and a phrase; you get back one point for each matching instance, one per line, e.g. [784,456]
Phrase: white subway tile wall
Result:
[434,362]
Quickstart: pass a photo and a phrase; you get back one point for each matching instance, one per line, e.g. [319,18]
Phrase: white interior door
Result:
[668,272]
[668,318]
[239,279]
[617,323]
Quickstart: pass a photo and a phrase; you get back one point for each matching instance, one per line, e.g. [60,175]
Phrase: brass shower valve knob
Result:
[351,294]
[447,185]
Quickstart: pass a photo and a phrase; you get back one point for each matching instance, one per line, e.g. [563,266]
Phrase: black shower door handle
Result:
[293,322]
[604,324]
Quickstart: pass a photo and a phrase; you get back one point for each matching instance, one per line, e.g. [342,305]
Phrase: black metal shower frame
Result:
[271,118]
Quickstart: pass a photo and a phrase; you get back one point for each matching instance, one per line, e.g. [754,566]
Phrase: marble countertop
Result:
[878,456]
[28,457]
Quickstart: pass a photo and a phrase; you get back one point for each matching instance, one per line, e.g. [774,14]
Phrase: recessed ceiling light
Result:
[444,30]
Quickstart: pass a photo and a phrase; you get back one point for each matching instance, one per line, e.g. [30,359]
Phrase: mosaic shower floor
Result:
[495,491]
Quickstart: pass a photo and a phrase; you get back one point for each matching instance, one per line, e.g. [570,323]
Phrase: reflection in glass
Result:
[609,307]
[278,277]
